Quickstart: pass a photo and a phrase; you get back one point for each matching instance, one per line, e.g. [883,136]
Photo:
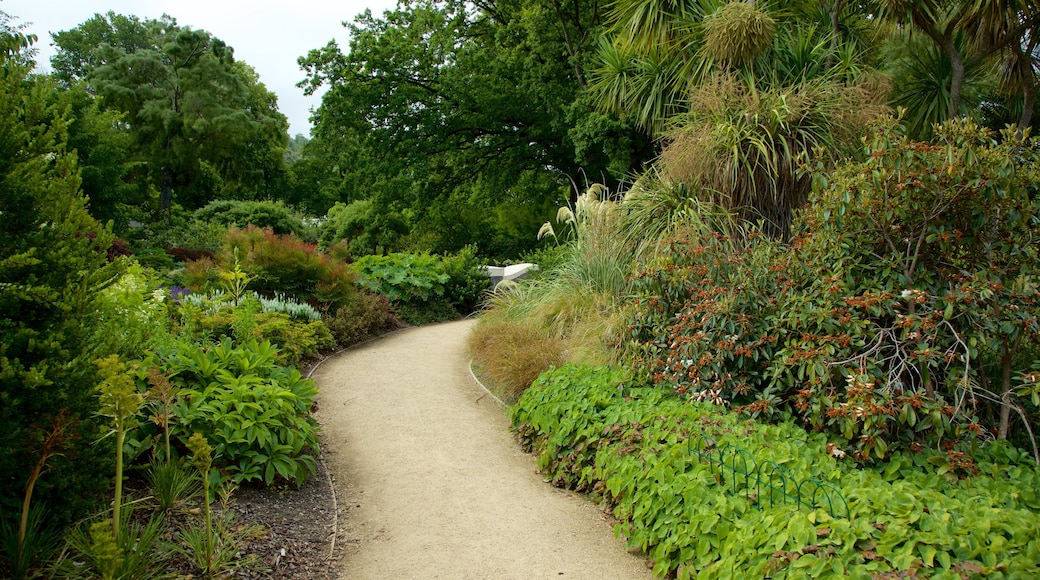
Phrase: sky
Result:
[268,35]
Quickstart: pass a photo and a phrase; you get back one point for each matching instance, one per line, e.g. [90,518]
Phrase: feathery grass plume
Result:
[737,33]
[547,230]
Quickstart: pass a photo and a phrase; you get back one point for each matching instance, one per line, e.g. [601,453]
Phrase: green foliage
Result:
[216,550]
[419,286]
[593,430]
[137,552]
[131,315]
[171,484]
[467,280]
[402,277]
[266,215]
[902,316]
[196,141]
[364,228]
[52,265]
[255,412]
[403,134]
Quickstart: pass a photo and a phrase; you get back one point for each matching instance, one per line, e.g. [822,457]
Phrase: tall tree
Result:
[198,119]
[52,261]
[971,34]
[444,100]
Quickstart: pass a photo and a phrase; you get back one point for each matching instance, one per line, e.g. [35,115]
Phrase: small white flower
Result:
[907,293]
[158,295]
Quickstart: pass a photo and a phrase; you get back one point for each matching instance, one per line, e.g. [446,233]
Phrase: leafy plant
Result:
[119,401]
[594,429]
[136,552]
[255,412]
[171,484]
[215,546]
[268,215]
[897,318]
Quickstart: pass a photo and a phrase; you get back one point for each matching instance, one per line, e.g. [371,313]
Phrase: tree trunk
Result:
[1029,89]
[1005,393]
[956,77]
[836,7]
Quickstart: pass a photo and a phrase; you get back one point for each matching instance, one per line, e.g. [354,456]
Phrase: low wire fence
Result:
[766,483]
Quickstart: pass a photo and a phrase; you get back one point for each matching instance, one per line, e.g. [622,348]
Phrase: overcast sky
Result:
[267,35]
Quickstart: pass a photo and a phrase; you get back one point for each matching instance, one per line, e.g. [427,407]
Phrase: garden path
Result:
[432,485]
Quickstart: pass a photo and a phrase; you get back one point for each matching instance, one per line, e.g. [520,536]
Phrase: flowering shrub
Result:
[903,314]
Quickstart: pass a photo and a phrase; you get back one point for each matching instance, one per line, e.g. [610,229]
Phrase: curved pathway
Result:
[431,483]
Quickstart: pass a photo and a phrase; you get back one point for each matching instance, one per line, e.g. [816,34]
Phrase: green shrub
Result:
[903,315]
[52,264]
[414,283]
[362,228]
[255,412]
[296,340]
[402,278]
[131,315]
[266,215]
[593,430]
[467,282]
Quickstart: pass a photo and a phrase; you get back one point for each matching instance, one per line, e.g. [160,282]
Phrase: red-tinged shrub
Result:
[289,266]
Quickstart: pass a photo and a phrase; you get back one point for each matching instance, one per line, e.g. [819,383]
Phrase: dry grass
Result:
[511,354]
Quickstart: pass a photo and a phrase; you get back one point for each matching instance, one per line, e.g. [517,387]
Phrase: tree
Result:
[738,92]
[52,262]
[201,121]
[404,122]
[971,33]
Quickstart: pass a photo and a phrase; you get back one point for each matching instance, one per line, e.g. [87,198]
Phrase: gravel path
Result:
[431,483]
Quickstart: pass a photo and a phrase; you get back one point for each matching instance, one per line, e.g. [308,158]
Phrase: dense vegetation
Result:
[805,220]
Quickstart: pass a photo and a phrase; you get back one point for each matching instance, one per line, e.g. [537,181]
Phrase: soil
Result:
[421,479]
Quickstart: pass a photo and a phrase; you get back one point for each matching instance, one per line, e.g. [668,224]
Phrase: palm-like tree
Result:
[737,92]
[972,34]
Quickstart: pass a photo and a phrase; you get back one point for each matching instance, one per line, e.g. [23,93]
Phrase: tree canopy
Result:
[201,122]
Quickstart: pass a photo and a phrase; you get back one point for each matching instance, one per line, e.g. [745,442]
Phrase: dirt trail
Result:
[430,482]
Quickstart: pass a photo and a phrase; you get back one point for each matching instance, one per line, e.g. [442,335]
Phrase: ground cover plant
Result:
[595,429]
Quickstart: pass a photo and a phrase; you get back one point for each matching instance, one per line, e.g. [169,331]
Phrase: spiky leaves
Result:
[737,33]
[741,144]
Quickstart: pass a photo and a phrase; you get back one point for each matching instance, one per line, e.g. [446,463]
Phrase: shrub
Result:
[286,265]
[296,329]
[52,263]
[414,283]
[366,316]
[511,355]
[467,281]
[266,215]
[362,228]
[131,315]
[255,412]
[903,315]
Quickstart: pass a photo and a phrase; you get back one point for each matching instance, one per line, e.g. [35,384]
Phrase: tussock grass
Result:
[512,354]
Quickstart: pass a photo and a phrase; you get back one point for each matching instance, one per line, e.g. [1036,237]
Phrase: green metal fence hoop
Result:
[829,493]
[770,477]
[785,475]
